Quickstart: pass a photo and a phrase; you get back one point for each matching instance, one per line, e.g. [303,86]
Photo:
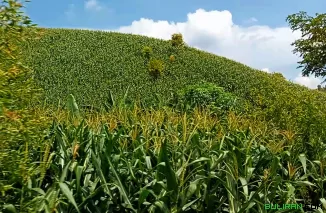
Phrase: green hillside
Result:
[89,64]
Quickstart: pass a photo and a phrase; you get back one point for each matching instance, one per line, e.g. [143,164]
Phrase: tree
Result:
[312,45]
[320,88]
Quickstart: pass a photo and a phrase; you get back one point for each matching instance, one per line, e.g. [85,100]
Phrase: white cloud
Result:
[266,70]
[214,31]
[92,5]
[251,20]
[310,82]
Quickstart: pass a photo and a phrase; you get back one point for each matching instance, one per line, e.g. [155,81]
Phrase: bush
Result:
[320,88]
[155,67]
[147,52]
[207,95]
[279,75]
[172,58]
[177,40]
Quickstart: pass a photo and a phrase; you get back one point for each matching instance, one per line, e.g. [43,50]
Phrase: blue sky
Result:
[253,32]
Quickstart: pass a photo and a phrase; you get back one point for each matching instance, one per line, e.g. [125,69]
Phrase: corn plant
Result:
[163,167]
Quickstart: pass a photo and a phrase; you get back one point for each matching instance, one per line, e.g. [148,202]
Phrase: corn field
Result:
[134,151]
[91,65]
[161,161]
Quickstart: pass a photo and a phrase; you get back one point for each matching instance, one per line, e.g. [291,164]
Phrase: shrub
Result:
[177,40]
[172,58]
[207,95]
[278,75]
[155,67]
[320,88]
[147,52]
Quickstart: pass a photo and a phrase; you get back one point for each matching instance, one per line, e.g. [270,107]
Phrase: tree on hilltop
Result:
[312,45]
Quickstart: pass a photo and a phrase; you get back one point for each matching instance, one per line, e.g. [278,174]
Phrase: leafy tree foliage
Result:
[207,95]
[177,40]
[321,88]
[147,52]
[312,45]
[155,67]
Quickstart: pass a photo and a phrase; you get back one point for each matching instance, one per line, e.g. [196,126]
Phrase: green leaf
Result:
[40,191]
[100,174]
[245,186]
[303,161]
[78,171]
[111,101]
[64,172]
[167,171]
[323,201]
[72,105]
[304,183]
[142,196]
[161,205]
[148,162]
[185,207]
[121,187]
[201,159]
[192,188]
[66,191]
[9,208]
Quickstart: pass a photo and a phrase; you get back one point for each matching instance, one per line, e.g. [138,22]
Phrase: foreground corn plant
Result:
[154,169]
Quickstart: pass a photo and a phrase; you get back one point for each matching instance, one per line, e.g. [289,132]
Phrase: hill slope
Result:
[90,63]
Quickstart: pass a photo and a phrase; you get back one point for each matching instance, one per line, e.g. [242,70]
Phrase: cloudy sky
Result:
[253,32]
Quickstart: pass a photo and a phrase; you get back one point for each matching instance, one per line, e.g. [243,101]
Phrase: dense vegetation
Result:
[111,63]
[161,161]
[90,63]
[176,130]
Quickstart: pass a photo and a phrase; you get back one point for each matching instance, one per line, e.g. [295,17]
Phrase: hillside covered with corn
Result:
[89,64]
[95,65]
